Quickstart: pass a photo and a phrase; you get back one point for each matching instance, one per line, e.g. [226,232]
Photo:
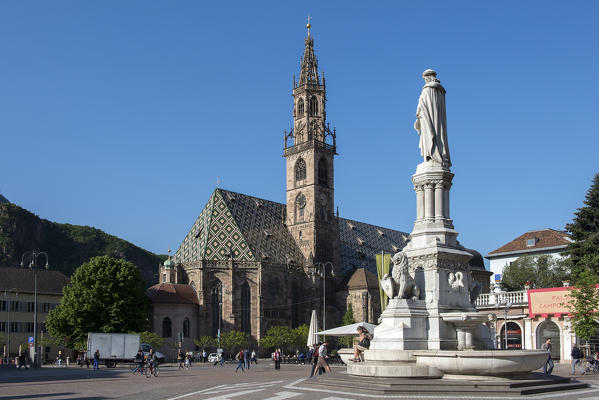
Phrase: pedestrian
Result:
[86,360]
[96,359]
[322,357]
[240,360]
[246,358]
[276,356]
[204,356]
[314,356]
[139,361]
[180,358]
[548,367]
[22,360]
[253,357]
[187,360]
[576,359]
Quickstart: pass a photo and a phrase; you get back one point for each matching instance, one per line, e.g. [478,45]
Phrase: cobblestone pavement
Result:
[206,382]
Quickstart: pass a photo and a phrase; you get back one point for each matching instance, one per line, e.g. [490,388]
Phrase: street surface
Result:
[205,382]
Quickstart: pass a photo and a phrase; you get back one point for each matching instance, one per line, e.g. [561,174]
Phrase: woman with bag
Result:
[363,344]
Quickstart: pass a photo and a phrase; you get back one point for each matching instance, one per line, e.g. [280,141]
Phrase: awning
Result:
[348,330]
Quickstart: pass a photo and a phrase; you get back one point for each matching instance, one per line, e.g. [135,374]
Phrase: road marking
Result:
[228,396]
[337,398]
[198,392]
[284,395]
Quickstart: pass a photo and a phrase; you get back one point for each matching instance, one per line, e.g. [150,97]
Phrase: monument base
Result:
[402,327]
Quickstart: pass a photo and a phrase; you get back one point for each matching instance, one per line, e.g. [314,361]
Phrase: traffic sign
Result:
[30,339]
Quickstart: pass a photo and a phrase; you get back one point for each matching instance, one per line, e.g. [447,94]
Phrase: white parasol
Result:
[312,336]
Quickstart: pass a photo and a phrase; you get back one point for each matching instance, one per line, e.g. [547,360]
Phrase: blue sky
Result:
[121,115]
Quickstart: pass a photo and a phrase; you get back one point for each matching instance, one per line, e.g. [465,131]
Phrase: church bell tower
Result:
[310,147]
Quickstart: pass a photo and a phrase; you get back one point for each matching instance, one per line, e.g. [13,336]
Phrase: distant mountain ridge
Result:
[68,246]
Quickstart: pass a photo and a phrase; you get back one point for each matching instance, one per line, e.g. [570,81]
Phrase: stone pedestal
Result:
[402,327]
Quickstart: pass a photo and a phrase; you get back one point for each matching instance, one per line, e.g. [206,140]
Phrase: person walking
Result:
[576,359]
[240,360]
[276,356]
[246,358]
[548,367]
[322,357]
[204,356]
[188,360]
[180,358]
[253,357]
[22,360]
[96,359]
[314,355]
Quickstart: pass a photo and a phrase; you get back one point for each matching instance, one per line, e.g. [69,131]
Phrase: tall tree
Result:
[541,271]
[584,303]
[585,233]
[205,341]
[105,295]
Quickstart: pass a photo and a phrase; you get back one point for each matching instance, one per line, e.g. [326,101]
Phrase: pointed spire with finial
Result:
[309,71]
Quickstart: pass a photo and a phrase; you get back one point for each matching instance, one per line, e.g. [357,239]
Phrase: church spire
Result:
[309,70]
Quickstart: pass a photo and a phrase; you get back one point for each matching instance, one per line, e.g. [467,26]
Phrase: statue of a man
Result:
[431,122]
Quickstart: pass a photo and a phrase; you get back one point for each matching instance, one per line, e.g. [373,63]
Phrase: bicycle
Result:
[151,369]
[591,364]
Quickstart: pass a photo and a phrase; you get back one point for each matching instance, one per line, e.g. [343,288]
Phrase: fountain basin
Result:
[483,362]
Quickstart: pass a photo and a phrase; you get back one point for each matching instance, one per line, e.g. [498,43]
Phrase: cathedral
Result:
[249,264]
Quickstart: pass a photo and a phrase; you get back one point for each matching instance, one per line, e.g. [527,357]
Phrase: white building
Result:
[532,243]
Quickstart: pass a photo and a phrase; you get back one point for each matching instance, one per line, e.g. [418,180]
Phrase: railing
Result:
[308,144]
[493,299]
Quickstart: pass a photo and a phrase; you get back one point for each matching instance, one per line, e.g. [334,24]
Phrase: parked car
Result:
[213,357]
[146,350]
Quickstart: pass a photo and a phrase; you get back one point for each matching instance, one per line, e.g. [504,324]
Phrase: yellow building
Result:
[17,308]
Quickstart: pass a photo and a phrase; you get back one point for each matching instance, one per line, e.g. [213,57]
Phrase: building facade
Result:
[17,309]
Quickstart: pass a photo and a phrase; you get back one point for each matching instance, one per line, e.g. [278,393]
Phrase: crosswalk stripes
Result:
[235,394]
[284,395]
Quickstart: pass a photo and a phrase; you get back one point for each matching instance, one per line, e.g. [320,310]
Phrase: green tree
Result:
[104,295]
[234,340]
[348,319]
[541,271]
[3,338]
[584,231]
[152,339]
[584,303]
[300,335]
[278,336]
[205,342]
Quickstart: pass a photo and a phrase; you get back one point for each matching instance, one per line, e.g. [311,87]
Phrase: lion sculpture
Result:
[400,284]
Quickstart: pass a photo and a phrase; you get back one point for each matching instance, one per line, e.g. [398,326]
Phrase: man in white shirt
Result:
[322,356]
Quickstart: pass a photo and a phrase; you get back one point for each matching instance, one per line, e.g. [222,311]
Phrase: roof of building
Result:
[23,280]
[3,199]
[252,229]
[362,279]
[172,293]
[534,241]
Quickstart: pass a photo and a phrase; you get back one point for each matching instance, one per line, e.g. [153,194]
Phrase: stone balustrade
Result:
[494,299]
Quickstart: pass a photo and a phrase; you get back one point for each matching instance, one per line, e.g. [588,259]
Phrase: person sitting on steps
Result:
[363,344]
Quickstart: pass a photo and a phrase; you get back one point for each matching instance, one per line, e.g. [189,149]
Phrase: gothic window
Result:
[186,327]
[300,107]
[246,308]
[313,106]
[323,174]
[300,205]
[216,299]
[167,327]
[300,169]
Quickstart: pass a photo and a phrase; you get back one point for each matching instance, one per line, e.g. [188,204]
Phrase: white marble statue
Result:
[400,284]
[431,122]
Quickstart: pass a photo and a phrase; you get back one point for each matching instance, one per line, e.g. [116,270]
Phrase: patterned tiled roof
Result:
[172,293]
[361,242]
[534,241]
[246,227]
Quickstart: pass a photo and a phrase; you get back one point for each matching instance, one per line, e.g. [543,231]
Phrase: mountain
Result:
[68,246]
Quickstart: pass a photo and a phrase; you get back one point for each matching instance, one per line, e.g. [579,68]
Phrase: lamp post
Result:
[6,292]
[323,274]
[33,256]
[218,292]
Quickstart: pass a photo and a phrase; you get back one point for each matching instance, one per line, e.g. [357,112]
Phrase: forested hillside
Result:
[68,246]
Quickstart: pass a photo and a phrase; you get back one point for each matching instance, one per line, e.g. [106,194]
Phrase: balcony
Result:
[317,144]
[494,299]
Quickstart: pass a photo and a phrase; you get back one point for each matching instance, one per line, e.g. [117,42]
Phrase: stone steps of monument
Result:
[383,386]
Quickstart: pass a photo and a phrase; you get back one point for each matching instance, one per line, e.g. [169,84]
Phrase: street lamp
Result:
[508,305]
[33,256]
[6,292]
[323,273]
[218,292]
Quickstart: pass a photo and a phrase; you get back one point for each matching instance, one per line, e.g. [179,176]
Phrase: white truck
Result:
[113,347]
